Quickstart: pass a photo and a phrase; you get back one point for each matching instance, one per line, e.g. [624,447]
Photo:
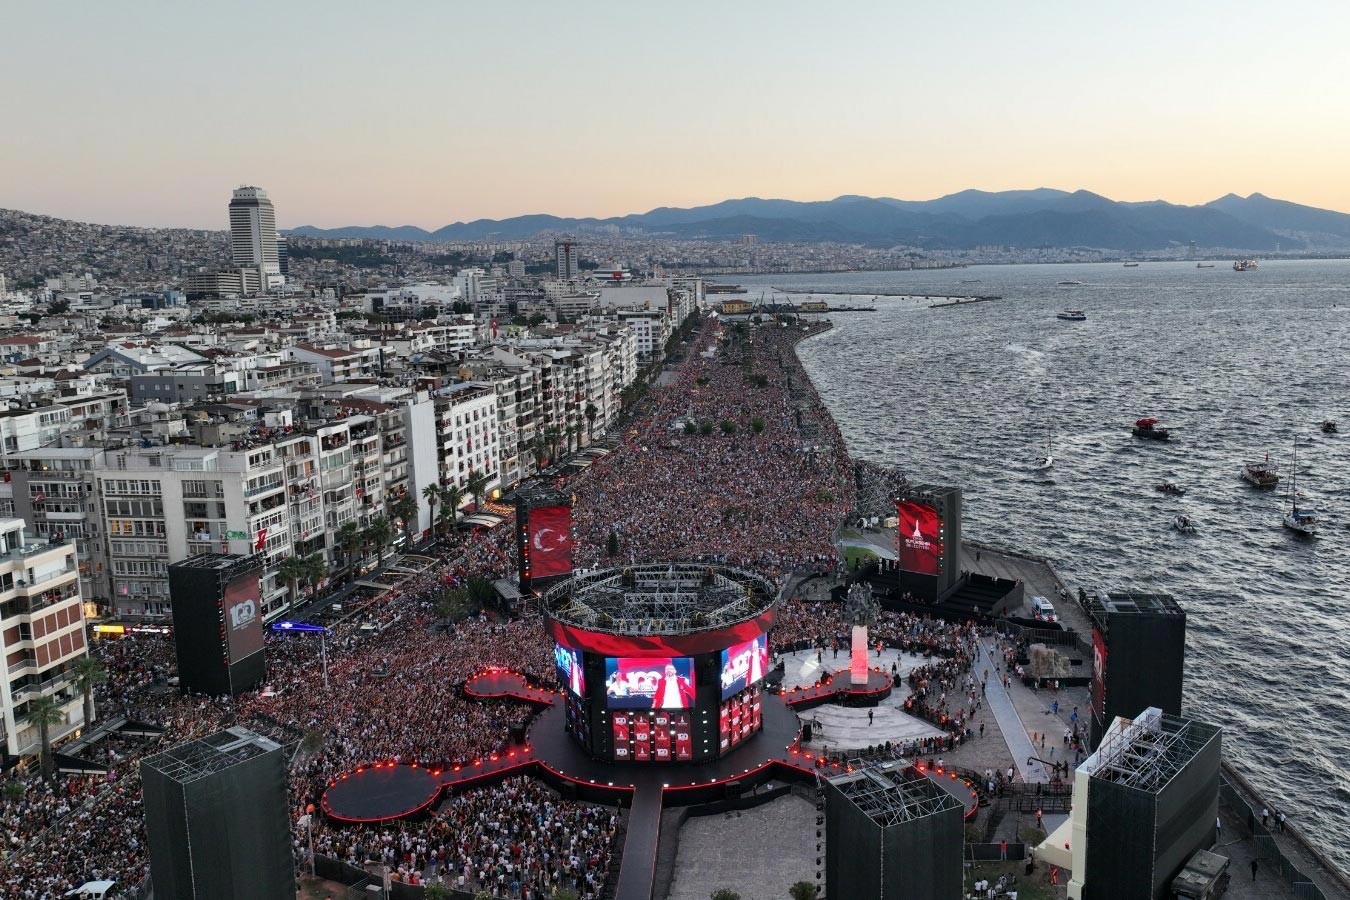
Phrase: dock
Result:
[944,302]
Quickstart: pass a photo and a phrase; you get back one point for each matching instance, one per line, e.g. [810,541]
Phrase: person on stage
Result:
[674,691]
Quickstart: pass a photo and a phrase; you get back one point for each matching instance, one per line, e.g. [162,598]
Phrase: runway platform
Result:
[838,689]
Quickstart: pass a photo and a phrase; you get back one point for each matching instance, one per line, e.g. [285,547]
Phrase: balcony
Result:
[263,489]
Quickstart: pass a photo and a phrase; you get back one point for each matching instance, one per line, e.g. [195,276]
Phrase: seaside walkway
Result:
[1009,722]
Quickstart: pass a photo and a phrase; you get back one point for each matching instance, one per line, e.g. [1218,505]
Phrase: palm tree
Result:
[432,494]
[476,484]
[316,569]
[591,413]
[44,712]
[435,892]
[539,447]
[293,570]
[405,510]
[452,498]
[349,540]
[379,533]
[551,435]
[89,673]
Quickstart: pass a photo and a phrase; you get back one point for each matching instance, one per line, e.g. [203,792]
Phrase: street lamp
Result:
[307,628]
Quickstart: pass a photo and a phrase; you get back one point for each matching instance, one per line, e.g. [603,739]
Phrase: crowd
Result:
[516,839]
[769,500]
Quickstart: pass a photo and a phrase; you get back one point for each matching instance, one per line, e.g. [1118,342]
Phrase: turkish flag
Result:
[550,535]
[262,539]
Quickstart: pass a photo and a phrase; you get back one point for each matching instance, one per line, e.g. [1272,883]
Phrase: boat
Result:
[1174,490]
[1071,315]
[1262,473]
[1184,524]
[1244,265]
[970,281]
[1204,265]
[1329,427]
[1132,265]
[1070,283]
[1046,462]
[1149,428]
[1300,521]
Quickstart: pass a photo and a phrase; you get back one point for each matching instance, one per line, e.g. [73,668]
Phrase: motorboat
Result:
[1132,265]
[1329,427]
[1204,265]
[1300,521]
[1184,524]
[1262,473]
[1070,283]
[1150,429]
[1244,265]
[1071,315]
[1173,490]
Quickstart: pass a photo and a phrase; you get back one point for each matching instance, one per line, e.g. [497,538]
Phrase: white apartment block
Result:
[337,364]
[41,635]
[467,430]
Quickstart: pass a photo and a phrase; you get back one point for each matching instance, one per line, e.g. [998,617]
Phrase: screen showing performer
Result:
[570,671]
[744,664]
[654,683]
[920,546]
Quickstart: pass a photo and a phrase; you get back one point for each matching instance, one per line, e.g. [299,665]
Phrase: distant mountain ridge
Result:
[1043,217]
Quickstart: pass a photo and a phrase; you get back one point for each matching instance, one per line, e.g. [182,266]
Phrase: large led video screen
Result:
[920,548]
[650,683]
[243,616]
[550,536]
[570,672]
[744,664]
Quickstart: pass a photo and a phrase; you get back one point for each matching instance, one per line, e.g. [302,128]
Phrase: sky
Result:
[425,113]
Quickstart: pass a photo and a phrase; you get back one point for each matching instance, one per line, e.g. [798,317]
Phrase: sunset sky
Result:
[425,113]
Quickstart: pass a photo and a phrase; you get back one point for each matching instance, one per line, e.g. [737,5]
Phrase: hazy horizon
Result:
[425,114]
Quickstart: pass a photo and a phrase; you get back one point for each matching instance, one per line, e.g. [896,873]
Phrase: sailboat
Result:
[1300,521]
[1046,462]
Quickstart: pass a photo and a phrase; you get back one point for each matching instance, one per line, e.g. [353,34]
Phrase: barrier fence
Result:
[1270,853]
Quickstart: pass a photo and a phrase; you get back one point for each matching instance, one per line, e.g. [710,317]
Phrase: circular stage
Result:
[381,792]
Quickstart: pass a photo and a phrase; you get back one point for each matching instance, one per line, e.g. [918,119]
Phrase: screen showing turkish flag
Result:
[550,541]
[917,535]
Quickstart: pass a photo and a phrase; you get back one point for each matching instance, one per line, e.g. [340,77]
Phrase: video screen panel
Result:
[571,674]
[738,719]
[550,537]
[652,737]
[744,664]
[243,616]
[920,548]
[650,683]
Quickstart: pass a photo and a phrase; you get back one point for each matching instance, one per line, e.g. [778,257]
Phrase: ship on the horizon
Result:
[1204,265]
[723,289]
[1243,265]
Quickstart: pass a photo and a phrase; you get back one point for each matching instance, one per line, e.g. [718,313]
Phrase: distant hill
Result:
[1043,217]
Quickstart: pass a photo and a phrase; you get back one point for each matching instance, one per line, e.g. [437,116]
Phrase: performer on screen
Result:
[759,658]
[574,676]
[674,691]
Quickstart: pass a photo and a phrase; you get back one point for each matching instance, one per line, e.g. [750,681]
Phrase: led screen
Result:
[651,683]
[243,616]
[743,665]
[550,537]
[920,547]
[570,672]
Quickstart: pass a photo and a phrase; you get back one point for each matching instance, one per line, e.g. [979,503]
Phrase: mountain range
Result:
[1043,217]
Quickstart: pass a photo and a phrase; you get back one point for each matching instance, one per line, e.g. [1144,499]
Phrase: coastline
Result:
[1325,874]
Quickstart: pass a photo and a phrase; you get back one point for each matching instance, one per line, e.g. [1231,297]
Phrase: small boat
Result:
[1262,473]
[1300,521]
[1046,462]
[1174,490]
[1132,265]
[1204,265]
[1244,265]
[1184,524]
[1071,315]
[971,281]
[1149,428]
[1070,283]
[1329,427]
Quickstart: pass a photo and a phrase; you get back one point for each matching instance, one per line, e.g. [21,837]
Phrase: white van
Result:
[1043,610]
[91,890]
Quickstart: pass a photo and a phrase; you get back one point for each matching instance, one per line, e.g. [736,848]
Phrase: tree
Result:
[803,890]
[44,712]
[476,484]
[563,894]
[432,494]
[591,413]
[612,544]
[292,571]
[405,510]
[728,426]
[435,892]
[705,428]
[452,604]
[380,533]
[551,435]
[725,894]
[452,498]
[690,428]
[89,673]
[349,540]
[757,426]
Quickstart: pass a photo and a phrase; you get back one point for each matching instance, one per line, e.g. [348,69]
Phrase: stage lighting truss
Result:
[893,793]
[1149,752]
[660,598]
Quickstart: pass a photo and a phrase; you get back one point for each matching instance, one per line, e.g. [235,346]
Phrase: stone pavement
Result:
[998,701]
[759,853]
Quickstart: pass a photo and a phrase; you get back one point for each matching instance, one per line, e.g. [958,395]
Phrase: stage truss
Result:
[891,793]
[1148,753]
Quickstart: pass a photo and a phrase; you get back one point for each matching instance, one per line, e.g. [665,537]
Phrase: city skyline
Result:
[425,115]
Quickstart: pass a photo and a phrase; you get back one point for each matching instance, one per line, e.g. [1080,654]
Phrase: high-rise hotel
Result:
[253,233]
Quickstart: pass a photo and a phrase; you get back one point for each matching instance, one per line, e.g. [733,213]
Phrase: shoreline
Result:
[1228,767]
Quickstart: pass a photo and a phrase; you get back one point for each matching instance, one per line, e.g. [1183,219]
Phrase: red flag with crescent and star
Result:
[550,541]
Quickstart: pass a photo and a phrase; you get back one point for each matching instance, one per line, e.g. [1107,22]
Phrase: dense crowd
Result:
[769,501]
[516,839]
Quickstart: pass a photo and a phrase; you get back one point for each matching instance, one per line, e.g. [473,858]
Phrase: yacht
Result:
[1184,524]
[1300,521]
[1244,265]
[1262,473]
[1071,315]
[1046,462]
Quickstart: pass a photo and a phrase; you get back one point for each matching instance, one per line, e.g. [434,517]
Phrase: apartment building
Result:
[41,635]
[338,364]
[467,430]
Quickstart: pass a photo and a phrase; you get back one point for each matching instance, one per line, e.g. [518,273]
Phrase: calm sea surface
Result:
[1238,365]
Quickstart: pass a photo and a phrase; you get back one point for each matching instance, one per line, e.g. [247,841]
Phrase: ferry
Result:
[1204,265]
[723,289]
[1072,315]
[1244,265]
[1262,473]
[1150,429]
